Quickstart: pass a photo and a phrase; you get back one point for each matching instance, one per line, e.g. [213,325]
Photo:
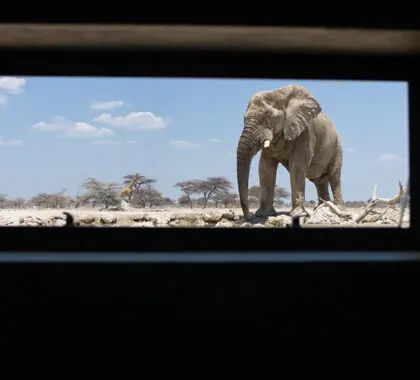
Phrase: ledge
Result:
[232,38]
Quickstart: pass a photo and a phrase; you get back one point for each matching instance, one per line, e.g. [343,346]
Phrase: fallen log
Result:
[373,202]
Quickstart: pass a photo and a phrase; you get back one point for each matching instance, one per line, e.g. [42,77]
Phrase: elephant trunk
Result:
[250,142]
[243,167]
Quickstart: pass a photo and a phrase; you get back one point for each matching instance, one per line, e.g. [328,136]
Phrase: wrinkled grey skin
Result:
[302,138]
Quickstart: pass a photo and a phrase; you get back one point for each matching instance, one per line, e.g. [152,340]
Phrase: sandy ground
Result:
[182,217]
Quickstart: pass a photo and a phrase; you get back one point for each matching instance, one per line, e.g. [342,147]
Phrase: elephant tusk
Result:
[266,143]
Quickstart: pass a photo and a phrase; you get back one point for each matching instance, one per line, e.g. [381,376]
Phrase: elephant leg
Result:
[297,185]
[335,183]
[298,166]
[267,171]
[334,178]
[322,188]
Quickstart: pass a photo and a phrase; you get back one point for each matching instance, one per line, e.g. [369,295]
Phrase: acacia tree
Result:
[140,197]
[48,200]
[40,200]
[168,201]
[60,200]
[184,200]
[188,188]
[142,189]
[156,198]
[17,203]
[280,194]
[101,192]
[254,195]
[148,195]
[224,197]
[217,198]
[141,181]
[3,200]
[211,186]
[81,200]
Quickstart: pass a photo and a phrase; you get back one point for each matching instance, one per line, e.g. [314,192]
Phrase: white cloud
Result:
[10,85]
[134,120]
[13,85]
[351,150]
[71,128]
[131,142]
[87,130]
[214,140]
[390,157]
[106,142]
[10,142]
[107,105]
[55,125]
[182,144]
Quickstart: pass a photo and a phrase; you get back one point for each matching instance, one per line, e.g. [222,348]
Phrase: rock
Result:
[278,221]
[229,215]
[225,223]
[372,218]
[59,222]
[31,221]
[186,221]
[199,223]
[163,220]
[251,225]
[108,219]
[88,219]
[125,206]
[141,218]
[390,216]
[144,224]
[324,216]
[7,222]
[113,208]
[212,218]
[350,222]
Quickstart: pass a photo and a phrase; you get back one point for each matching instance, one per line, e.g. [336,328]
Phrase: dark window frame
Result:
[213,63]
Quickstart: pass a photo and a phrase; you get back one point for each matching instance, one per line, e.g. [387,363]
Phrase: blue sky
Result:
[56,131]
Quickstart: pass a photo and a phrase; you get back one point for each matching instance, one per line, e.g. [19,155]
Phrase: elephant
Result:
[288,126]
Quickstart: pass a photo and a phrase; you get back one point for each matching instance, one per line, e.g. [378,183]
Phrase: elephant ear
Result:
[299,112]
[276,117]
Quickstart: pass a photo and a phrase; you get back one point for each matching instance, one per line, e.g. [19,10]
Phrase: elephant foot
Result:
[261,212]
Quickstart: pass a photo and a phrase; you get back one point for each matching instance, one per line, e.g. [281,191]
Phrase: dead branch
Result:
[374,201]
[305,210]
[375,187]
[300,201]
[368,209]
[341,213]
[387,201]
[405,200]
